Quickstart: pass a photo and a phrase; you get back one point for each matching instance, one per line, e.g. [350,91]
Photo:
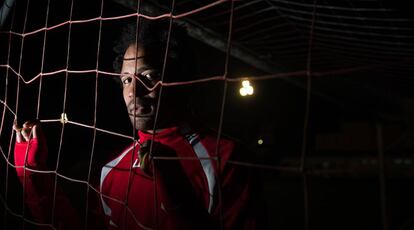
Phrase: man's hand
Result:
[146,155]
[145,158]
[30,148]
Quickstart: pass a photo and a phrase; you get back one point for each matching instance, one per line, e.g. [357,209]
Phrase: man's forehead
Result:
[147,57]
[133,58]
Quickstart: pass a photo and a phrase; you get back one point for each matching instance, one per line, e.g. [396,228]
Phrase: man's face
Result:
[140,74]
[141,103]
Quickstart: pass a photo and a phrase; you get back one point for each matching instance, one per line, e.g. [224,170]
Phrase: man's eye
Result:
[126,80]
[151,76]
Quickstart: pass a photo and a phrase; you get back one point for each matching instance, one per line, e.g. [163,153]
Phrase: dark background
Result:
[353,116]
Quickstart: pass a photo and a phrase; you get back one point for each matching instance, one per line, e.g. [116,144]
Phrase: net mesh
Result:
[323,71]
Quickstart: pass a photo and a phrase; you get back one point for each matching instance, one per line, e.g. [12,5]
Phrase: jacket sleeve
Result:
[39,188]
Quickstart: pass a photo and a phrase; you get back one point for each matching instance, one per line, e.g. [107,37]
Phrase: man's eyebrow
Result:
[139,70]
[142,69]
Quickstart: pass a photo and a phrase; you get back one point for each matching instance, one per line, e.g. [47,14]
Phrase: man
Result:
[171,177]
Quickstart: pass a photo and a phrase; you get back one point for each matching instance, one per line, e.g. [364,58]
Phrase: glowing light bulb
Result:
[249,90]
[246,88]
[260,141]
[243,92]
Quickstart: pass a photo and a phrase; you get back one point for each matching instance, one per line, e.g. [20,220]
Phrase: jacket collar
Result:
[181,129]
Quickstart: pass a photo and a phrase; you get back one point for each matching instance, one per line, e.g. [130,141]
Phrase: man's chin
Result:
[143,123]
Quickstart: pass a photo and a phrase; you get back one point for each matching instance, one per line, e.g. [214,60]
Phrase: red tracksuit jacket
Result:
[183,191]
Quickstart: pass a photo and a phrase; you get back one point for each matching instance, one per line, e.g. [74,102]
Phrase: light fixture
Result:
[246,89]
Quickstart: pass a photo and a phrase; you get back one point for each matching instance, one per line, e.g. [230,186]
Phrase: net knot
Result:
[63,118]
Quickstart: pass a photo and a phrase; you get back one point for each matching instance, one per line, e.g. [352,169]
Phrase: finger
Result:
[26,133]
[27,124]
[35,131]
[18,129]
[144,147]
[146,144]
[145,163]
[141,152]
[36,128]
[19,137]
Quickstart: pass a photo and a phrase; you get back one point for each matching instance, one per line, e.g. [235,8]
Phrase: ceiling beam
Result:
[207,36]
[4,11]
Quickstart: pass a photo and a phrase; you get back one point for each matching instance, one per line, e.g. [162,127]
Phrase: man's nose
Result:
[140,89]
[131,92]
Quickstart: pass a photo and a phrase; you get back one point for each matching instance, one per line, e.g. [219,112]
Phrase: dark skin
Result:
[140,79]
[24,134]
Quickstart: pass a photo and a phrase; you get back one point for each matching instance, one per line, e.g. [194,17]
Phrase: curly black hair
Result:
[153,37]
